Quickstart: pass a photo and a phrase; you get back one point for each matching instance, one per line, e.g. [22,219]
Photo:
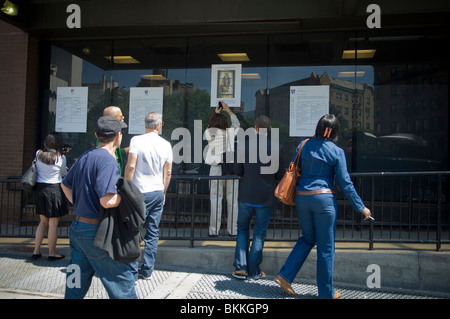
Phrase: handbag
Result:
[285,190]
[29,179]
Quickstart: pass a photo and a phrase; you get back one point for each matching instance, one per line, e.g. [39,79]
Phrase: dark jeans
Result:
[154,202]
[87,260]
[245,260]
[317,214]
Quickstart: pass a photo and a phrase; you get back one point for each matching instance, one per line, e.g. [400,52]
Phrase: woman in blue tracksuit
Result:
[321,162]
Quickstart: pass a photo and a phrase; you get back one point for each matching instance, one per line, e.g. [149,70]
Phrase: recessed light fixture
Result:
[351,74]
[154,77]
[360,54]
[233,57]
[123,59]
[250,76]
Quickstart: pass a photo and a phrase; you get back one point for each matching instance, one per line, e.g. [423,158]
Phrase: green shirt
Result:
[120,156]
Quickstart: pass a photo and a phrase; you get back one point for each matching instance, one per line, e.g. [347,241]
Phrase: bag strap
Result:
[297,157]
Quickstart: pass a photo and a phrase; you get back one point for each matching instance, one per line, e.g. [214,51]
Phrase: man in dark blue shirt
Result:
[255,198]
[91,182]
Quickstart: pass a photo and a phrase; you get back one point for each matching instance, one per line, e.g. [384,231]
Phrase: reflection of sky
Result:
[201,78]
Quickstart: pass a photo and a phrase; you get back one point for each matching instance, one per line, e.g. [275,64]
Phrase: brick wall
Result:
[18,89]
[31,118]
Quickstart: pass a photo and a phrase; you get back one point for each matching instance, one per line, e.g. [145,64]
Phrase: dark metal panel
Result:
[142,18]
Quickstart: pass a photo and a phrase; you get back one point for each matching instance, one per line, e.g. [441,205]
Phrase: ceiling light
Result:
[123,59]
[360,54]
[10,8]
[154,77]
[250,76]
[233,57]
[351,74]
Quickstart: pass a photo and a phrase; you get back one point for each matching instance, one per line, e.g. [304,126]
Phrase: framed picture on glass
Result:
[226,84]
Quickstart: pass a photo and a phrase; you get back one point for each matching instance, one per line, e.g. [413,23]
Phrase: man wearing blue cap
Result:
[91,182]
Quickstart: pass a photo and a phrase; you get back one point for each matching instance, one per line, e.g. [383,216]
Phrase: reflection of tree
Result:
[173,111]
[181,111]
[198,108]
[178,111]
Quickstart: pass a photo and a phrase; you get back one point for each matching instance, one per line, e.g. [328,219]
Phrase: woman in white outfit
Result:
[216,135]
[51,203]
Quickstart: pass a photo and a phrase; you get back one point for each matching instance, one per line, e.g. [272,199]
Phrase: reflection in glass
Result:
[393,114]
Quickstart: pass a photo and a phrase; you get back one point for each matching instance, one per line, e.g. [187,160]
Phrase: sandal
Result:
[284,284]
[240,274]
[262,275]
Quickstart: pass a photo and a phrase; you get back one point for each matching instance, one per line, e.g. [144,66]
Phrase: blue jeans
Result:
[317,214]
[245,260]
[154,202]
[86,259]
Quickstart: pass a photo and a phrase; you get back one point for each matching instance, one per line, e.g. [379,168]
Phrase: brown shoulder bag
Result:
[285,190]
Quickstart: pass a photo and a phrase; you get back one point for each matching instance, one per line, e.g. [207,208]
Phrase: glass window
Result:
[389,89]
[76,64]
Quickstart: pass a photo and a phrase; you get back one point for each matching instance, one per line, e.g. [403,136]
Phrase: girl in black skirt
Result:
[51,203]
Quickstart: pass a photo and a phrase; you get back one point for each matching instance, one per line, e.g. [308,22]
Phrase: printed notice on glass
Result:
[71,109]
[226,84]
[307,105]
[143,100]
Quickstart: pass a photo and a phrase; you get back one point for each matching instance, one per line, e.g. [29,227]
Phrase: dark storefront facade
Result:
[387,73]
[388,85]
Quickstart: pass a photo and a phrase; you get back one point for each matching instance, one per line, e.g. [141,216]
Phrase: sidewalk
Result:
[21,278]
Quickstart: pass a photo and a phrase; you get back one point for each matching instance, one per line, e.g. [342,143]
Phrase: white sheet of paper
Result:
[226,84]
[143,100]
[71,109]
[307,105]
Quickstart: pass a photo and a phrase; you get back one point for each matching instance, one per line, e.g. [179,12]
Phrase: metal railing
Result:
[408,207]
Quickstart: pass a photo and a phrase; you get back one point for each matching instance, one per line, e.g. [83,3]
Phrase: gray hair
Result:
[152,120]
[263,122]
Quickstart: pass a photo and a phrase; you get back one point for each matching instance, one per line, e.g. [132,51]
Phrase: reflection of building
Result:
[65,70]
[55,82]
[352,102]
[96,90]
[159,79]
[413,99]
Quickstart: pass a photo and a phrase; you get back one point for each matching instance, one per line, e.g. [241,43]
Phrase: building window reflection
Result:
[394,115]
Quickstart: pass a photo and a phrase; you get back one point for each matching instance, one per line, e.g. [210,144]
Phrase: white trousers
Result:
[216,195]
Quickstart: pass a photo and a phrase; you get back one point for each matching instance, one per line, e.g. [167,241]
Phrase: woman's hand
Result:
[226,108]
[366,212]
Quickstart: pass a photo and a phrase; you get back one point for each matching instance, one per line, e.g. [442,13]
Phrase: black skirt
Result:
[50,200]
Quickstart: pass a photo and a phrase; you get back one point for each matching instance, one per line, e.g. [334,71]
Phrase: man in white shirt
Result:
[149,166]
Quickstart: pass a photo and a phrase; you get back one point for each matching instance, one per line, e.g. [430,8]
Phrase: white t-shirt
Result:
[152,153]
[51,174]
